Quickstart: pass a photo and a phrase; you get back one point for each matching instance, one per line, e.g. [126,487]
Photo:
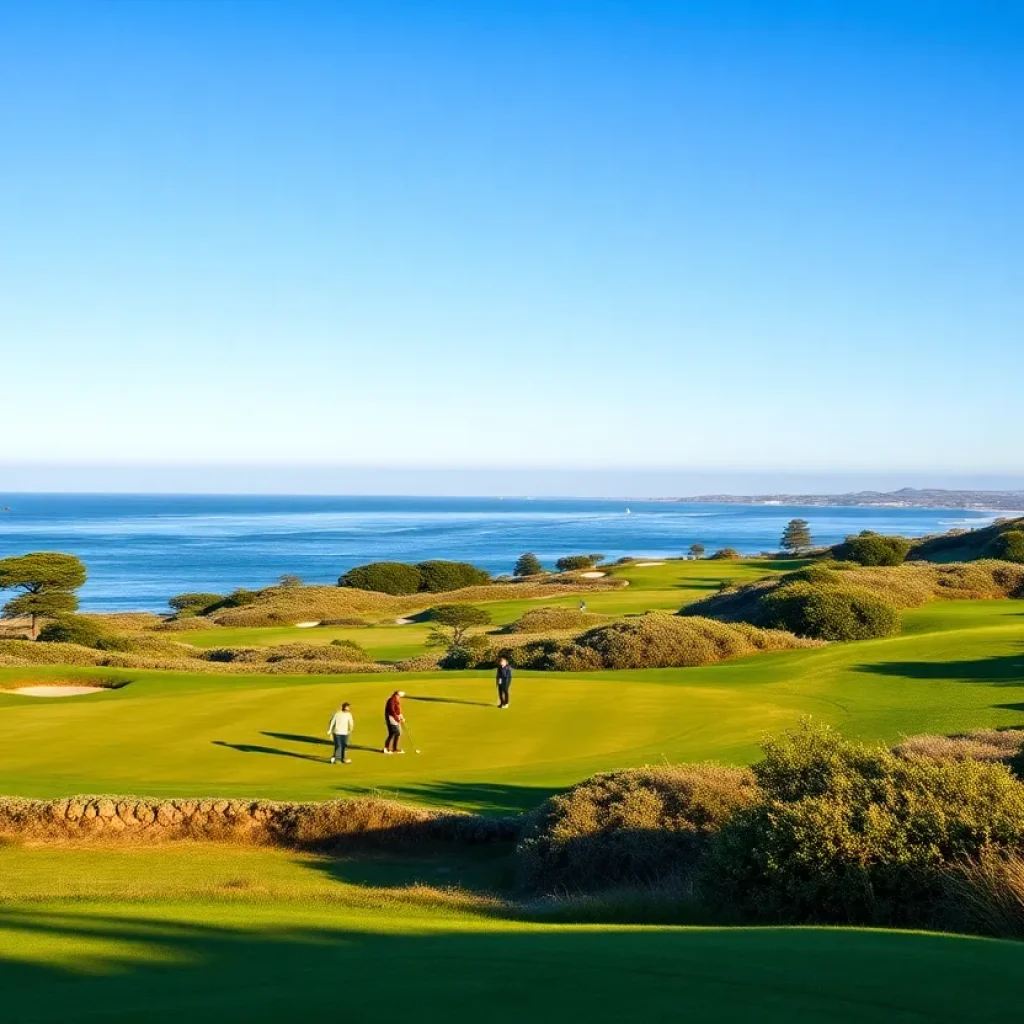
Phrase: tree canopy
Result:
[797,536]
[528,564]
[47,581]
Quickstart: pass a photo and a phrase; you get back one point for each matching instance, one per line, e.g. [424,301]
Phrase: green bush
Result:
[384,578]
[827,612]
[725,554]
[528,565]
[571,563]
[654,640]
[73,629]
[855,835]
[239,598]
[873,549]
[195,603]
[439,575]
[642,826]
[552,619]
[1010,546]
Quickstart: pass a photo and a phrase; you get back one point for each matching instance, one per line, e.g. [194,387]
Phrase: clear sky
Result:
[765,238]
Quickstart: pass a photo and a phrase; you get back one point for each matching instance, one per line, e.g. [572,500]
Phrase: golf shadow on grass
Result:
[451,700]
[256,748]
[292,737]
[999,670]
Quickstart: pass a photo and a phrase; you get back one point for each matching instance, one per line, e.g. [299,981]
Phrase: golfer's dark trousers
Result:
[394,735]
[503,693]
[340,746]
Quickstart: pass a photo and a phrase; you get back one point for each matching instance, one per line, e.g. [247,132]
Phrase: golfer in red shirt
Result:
[394,718]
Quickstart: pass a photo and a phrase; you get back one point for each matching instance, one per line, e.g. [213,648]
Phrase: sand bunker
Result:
[306,625]
[592,575]
[56,691]
[641,565]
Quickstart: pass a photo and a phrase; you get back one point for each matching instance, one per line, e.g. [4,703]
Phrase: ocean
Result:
[142,549]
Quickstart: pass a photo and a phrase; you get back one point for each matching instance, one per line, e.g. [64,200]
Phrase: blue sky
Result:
[760,240]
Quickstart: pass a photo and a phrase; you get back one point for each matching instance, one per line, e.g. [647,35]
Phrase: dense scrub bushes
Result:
[965,545]
[725,554]
[828,612]
[572,563]
[194,603]
[73,629]
[845,608]
[642,826]
[553,619]
[433,577]
[1004,745]
[854,835]
[384,578]
[1010,546]
[873,549]
[654,640]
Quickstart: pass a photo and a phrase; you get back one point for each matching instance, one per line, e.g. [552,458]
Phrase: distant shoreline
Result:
[1010,502]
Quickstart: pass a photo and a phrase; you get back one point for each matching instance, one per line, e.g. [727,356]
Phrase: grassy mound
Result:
[965,545]
[553,620]
[644,826]
[654,640]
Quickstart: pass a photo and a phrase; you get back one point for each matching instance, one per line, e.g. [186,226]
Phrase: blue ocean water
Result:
[142,549]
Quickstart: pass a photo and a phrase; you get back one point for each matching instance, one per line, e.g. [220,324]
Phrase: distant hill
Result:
[906,497]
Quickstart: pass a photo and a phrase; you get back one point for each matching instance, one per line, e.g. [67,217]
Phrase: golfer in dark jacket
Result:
[504,681]
[394,718]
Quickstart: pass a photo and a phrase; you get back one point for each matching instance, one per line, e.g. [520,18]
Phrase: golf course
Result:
[203,928]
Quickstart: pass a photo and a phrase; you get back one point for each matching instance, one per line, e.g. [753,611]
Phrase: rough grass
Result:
[656,640]
[643,827]
[556,619]
[1005,745]
[904,586]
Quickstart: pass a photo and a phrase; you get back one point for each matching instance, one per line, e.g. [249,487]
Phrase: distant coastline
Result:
[907,497]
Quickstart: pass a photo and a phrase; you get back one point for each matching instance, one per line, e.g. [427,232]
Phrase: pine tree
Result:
[528,565]
[797,536]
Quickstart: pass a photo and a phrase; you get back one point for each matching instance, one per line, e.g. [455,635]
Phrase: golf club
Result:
[408,733]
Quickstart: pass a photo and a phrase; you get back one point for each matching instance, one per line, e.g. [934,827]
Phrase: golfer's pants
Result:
[503,689]
[340,746]
[394,735]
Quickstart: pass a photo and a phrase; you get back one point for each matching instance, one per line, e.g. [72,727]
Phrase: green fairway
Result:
[665,586]
[958,666]
[210,933]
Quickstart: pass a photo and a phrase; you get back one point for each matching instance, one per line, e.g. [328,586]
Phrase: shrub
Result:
[1005,745]
[73,629]
[528,565]
[856,835]
[873,549]
[289,580]
[640,826]
[570,563]
[828,612]
[453,624]
[1010,546]
[195,603]
[654,640]
[384,578]
[349,650]
[552,619]
[239,598]
[723,554]
[439,575]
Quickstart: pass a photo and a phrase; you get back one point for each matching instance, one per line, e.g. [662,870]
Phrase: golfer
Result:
[504,681]
[342,724]
[394,718]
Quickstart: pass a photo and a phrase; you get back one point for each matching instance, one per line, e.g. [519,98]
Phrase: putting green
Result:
[959,665]
[208,933]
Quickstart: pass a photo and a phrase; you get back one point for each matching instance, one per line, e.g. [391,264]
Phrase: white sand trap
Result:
[56,691]
[307,625]
[592,575]
[644,565]
[402,622]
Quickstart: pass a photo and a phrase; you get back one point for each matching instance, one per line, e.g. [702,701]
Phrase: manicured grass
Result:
[211,934]
[959,666]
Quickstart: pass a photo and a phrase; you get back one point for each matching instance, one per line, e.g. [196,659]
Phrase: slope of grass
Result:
[959,666]
[214,934]
[664,587]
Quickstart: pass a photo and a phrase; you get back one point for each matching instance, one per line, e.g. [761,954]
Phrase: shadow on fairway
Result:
[292,737]
[452,700]
[1001,670]
[256,748]
[219,964]
[485,797]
